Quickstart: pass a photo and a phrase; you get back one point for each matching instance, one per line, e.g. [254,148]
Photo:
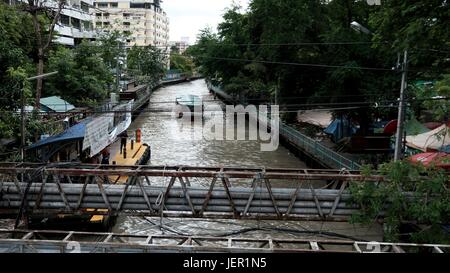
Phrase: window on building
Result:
[102,5]
[76,23]
[113,5]
[98,14]
[65,20]
[126,23]
[87,25]
[137,5]
[140,5]
[98,24]
[85,7]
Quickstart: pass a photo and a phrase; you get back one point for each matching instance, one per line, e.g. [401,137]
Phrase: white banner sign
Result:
[96,135]
[102,131]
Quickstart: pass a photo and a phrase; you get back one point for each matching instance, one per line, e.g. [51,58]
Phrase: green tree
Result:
[267,51]
[111,48]
[83,75]
[182,63]
[427,204]
[147,64]
[437,99]
[44,18]
[16,47]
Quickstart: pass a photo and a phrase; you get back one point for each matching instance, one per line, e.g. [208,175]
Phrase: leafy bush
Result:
[411,194]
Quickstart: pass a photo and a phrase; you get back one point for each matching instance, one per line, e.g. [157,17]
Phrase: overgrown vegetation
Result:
[412,195]
[147,64]
[182,63]
[304,51]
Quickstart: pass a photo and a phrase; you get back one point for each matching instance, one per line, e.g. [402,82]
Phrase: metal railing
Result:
[48,241]
[316,150]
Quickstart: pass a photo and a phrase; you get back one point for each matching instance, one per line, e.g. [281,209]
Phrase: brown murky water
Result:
[172,144]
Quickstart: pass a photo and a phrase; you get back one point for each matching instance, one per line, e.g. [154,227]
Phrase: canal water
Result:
[172,143]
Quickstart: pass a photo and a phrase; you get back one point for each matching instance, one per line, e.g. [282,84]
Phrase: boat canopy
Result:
[321,118]
[434,140]
[189,100]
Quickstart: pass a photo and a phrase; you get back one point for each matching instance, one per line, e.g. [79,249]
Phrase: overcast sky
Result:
[187,17]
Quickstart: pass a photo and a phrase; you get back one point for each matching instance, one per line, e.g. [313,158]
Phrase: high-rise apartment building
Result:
[75,22]
[142,21]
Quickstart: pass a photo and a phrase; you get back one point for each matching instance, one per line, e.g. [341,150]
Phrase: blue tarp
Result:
[446,149]
[340,128]
[74,133]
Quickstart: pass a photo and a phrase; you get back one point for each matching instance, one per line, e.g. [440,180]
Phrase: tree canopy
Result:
[147,64]
[304,51]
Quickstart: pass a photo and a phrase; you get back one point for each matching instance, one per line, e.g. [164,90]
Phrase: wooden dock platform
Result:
[139,155]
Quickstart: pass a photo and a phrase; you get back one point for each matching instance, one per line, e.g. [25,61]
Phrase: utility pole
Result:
[22,126]
[117,68]
[22,114]
[398,154]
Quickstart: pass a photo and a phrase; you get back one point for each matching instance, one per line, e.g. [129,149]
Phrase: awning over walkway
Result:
[434,140]
[74,133]
[320,118]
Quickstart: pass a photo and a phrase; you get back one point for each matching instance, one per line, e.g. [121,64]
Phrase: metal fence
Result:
[47,241]
[316,150]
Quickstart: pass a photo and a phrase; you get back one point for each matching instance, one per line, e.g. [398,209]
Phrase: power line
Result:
[299,64]
[290,104]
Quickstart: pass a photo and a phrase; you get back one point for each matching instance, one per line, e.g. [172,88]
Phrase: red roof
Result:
[391,127]
[441,160]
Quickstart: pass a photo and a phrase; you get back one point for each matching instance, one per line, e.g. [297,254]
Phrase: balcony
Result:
[86,34]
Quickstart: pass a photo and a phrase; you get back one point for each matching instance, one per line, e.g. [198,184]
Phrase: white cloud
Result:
[187,17]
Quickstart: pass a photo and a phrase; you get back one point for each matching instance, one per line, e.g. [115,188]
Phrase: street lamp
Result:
[398,153]
[360,28]
[22,113]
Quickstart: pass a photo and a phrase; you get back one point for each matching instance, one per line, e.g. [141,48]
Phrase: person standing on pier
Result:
[123,140]
[105,156]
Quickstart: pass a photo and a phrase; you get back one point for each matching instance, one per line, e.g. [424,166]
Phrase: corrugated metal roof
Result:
[57,104]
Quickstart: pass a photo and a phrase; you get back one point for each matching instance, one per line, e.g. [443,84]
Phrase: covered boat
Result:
[194,103]
[190,101]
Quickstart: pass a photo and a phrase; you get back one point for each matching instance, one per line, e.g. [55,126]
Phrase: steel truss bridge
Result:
[179,191]
[29,241]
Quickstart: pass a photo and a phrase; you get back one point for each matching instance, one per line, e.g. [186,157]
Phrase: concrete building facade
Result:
[75,21]
[142,21]
[181,46]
